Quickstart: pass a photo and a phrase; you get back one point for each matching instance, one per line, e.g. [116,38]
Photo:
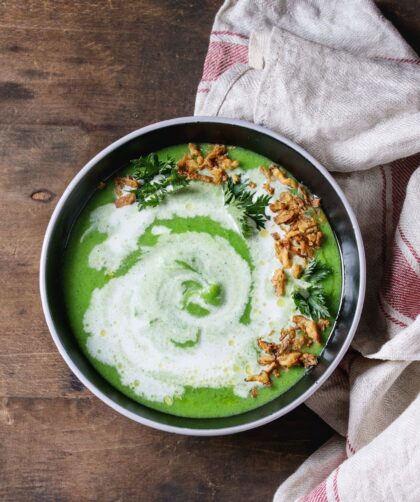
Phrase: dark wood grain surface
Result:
[74,76]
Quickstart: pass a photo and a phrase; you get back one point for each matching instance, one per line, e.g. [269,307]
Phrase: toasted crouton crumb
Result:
[264,360]
[266,346]
[268,188]
[262,377]
[323,324]
[266,171]
[296,270]
[216,162]
[279,280]
[285,216]
[217,151]
[289,359]
[124,181]
[194,150]
[280,175]
[219,175]
[283,254]
[308,359]
[125,200]
[308,326]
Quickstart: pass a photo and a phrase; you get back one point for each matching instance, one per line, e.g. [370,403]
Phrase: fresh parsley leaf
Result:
[311,302]
[158,178]
[146,168]
[316,271]
[245,207]
[301,303]
[317,302]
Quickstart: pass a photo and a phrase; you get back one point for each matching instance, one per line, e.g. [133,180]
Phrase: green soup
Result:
[168,302]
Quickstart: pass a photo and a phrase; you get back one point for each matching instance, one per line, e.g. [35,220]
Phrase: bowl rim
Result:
[184,430]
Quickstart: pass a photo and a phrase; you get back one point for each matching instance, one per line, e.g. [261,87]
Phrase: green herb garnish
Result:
[158,178]
[245,207]
[316,271]
[311,301]
[146,168]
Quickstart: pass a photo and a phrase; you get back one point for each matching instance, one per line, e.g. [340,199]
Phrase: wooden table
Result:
[76,75]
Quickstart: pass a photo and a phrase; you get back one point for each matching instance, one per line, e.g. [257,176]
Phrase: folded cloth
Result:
[337,78]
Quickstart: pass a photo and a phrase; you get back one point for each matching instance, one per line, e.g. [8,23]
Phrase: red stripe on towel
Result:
[221,56]
[384,239]
[335,485]
[350,446]
[401,282]
[400,60]
[318,494]
[402,285]
[389,316]
[401,172]
[408,244]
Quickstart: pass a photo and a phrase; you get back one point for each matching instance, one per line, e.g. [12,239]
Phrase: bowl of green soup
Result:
[203,276]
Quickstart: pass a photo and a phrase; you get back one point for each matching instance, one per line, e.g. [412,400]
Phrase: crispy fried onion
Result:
[289,350]
[216,163]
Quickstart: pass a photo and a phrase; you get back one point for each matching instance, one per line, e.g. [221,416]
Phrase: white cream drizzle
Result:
[138,323]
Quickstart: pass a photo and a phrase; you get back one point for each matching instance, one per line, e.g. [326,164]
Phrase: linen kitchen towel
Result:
[338,79]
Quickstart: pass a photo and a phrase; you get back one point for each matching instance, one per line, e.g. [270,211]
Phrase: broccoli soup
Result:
[203,281]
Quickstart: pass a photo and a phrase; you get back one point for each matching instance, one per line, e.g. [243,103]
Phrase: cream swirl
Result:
[176,317]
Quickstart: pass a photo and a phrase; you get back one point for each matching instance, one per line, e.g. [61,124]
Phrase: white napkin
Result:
[337,78]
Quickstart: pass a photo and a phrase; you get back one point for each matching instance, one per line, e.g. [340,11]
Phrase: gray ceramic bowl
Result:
[211,130]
